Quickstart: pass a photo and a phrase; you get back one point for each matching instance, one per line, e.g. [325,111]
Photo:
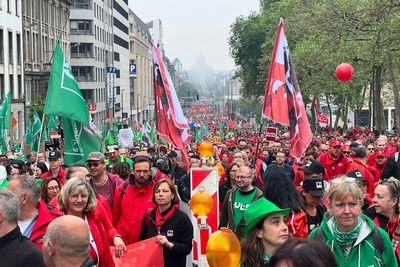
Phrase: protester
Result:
[353,237]
[229,182]
[360,180]
[279,189]
[78,170]
[39,169]
[121,169]
[171,226]
[15,249]
[264,233]
[55,167]
[77,198]
[116,157]
[312,193]
[67,243]
[104,183]
[280,159]
[334,162]
[238,199]
[298,252]
[49,189]
[132,199]
[313,169]
[34,215]
[392,167]
[379,165]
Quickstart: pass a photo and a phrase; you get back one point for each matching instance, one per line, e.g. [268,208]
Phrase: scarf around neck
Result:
[345,239]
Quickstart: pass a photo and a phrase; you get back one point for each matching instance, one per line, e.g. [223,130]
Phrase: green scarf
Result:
[266,257]
[345,239]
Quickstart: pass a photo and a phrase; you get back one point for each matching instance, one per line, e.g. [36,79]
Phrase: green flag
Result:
[52,123]
[36,125]
[5,111]
[45,135]
[138,137]
[152,133]
[64,98]
[28,132]
[221,130]
[198,137]
[110,140]
[79,141]
[204,129]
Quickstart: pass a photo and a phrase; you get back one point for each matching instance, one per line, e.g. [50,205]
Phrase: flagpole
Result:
[40,138]
[258,140]
[155,109]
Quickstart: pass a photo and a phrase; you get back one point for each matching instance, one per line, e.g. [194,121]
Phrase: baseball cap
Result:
[334,143]
[96,156]
[345,148]
[357,175]
[258,210]
[380,154]
[54,155]
[315,186]
[313,167]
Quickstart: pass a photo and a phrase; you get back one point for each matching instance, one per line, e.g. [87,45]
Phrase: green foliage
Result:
[187,89]
[321,35]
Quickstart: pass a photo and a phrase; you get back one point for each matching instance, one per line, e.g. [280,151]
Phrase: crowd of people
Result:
[338,205]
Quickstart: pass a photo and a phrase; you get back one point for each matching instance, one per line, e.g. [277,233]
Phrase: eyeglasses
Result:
[242,177]
[346,152]
[94,164]
[371,149]
[56,187]
[324,150]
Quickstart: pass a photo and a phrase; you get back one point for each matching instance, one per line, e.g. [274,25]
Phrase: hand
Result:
[120,247]
[163,241]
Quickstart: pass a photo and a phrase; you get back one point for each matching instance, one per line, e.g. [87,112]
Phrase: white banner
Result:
[126,137]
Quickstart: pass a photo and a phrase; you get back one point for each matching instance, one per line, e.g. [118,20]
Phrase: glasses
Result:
[346,152]
[242,177]
[371,149]
[324,150]
[56,187]
[94,164]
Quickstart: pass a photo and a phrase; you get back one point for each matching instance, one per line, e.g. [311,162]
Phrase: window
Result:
[11,87]
[16,8]
[19,86]
[8,6]
[10,48]
[19,49]
[81,26]
[1,47]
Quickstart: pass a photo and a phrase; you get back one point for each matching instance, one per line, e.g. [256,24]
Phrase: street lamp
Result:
[122,106]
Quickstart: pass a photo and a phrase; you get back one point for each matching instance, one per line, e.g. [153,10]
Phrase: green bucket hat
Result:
[258,210]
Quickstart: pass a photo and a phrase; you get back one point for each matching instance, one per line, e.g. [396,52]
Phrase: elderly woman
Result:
[385,210]
[353,237]
[264,233]
[78,198]
[171,226]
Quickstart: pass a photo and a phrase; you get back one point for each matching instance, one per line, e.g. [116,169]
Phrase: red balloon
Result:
[344,72]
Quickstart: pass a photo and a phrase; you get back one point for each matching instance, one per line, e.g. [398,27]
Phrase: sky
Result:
[192,27]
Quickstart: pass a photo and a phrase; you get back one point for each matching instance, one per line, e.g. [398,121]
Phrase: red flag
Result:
[171,124]
[315,103]
[283,102]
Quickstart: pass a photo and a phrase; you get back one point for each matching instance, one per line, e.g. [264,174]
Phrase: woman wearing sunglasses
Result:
[353,237]
[385,210]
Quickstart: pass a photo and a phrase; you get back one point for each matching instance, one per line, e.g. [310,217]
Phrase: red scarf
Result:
[161,219]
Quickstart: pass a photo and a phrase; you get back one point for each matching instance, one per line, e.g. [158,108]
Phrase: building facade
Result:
[44,21]
[142,93]
[11,64]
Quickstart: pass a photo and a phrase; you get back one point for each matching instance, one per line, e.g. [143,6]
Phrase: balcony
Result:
[87,54]
[86,78]
[82,5]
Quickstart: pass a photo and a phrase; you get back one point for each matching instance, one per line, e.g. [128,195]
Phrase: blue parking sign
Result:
[132,70]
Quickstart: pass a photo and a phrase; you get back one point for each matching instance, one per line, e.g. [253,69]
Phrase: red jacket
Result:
[390,150]
[297,224]
[60,176]
[334,167]
[128,210]
[45,216]
[369,178]
[100,237]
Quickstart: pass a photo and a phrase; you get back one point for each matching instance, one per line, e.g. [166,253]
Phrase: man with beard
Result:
[133,199]
[334,162]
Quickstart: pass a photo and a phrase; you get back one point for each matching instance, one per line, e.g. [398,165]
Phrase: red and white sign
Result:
[92,108]
[322,120]
[271,133]
[207,178]
[55,135]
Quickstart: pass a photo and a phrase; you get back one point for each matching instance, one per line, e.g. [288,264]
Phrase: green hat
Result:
[258,210]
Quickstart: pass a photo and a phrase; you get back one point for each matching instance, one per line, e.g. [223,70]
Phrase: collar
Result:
[7,238]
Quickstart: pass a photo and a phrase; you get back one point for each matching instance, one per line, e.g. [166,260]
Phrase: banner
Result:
[271,133]
[141,254]
[126,137]
[323,120]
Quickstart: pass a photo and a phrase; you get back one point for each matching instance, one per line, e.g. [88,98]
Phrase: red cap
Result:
[334,143]
[380,154]
[345,148]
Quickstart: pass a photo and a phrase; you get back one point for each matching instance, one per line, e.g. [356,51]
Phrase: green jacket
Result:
[363,252]
[227,217]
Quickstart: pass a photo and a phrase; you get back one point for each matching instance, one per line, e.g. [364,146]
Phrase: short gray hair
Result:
[9,206]
[76,183]
[360,152]
[28,183]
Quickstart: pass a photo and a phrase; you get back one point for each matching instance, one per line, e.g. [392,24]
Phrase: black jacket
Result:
[392,168]
[17,250]
[178,229]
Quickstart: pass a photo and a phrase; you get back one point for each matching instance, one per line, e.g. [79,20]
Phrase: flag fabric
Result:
[197,136]
[204,129]
[152,133]
[64,98]
[221,130]
[5,111]
[171,124]
[283,102]
[28,132]
[315,103]
[79,141]
[52,123]
[110,140]
[139,136]
[36,127]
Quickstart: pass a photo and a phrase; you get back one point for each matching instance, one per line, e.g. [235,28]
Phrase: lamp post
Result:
[122,106]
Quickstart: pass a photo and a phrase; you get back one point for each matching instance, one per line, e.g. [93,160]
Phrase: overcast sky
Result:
[196,26]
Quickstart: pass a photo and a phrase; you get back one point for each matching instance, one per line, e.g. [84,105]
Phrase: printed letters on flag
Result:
[283,102]
[171,124]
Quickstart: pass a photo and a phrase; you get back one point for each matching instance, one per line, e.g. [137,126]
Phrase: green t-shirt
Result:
[241,202]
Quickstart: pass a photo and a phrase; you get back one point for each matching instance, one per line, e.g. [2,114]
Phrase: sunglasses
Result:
[94,164]
[324,150]
[346,152]
[371,149]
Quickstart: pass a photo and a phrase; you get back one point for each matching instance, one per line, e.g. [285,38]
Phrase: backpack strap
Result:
[378,241]
[147,217]
[124,189]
